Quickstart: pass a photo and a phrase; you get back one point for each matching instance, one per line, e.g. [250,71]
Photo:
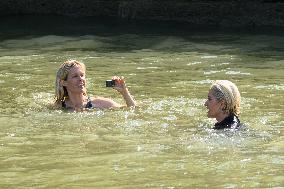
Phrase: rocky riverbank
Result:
[228,13]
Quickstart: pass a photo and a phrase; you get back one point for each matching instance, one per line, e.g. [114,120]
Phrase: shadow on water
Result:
[130,35]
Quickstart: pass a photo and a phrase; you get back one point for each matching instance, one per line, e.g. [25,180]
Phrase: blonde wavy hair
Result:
[228,92]
[60,91]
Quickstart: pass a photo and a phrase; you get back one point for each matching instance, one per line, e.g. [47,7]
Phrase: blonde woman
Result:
[71,92]
[223,104]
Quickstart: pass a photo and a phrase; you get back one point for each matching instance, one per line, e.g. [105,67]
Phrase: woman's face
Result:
[76,81]
[213,105]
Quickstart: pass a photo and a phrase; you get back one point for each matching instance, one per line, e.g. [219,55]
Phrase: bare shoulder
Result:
[101,102]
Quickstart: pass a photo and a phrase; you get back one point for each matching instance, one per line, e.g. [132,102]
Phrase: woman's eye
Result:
[74,76]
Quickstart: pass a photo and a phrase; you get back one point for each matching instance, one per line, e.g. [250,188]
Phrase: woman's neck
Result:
[76,101]
[221,117]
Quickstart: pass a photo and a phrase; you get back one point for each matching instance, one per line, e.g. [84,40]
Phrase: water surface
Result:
[166,142]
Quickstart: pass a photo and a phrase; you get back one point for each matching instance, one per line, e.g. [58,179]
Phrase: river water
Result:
[164,143]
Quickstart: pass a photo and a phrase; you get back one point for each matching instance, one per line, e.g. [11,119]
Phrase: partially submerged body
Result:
[230,122]
[71,92]
[223,104]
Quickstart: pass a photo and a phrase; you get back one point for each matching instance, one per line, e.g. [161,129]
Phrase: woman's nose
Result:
[205,103]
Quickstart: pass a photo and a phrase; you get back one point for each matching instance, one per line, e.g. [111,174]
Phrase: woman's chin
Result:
[208,115]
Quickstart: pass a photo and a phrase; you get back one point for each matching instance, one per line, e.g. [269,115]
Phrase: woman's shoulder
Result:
[102,102]
[230,122]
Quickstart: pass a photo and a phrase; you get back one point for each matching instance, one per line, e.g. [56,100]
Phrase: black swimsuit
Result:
[230,122]
[89,104]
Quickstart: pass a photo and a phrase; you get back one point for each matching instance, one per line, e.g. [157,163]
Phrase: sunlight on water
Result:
[166,142]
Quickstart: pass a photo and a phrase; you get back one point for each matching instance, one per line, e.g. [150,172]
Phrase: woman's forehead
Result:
[76,69]
[210,93]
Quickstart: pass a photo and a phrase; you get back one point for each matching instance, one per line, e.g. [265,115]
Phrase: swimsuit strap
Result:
[89,104]
[63,104]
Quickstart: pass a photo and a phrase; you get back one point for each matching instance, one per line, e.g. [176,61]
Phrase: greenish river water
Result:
[165,143]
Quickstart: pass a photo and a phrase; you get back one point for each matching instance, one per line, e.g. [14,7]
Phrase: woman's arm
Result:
[101,102]
[120,86]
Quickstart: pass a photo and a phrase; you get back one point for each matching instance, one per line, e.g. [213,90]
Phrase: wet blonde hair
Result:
[60,91]
[228,92]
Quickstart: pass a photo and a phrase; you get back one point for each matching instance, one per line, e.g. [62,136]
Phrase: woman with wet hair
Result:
[71,92]
[223,104]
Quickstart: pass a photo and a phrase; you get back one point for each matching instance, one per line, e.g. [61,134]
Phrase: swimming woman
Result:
[71,92]
[223,104]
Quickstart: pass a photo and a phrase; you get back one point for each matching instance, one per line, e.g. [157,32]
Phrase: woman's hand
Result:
[120,85]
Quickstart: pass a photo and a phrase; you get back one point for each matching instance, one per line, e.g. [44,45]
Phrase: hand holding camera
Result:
[118,83]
